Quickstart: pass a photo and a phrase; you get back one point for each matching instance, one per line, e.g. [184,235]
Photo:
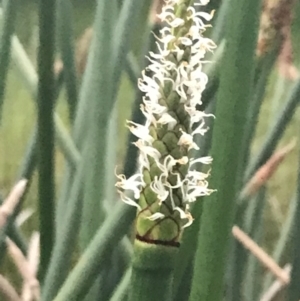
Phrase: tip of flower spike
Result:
[171,95]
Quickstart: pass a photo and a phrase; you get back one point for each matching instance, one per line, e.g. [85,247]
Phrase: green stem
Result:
[294,289]
[254,227]
[10,229]
[236,81]
[276,130]
[284,240]
[98,91]
[132,68]
[218,28]
[121,290]
[247,219]
[263,70]
[62,251]
[281,85]
[26,171]
[46,95]
[152,272]
[121,44]
[100,111]
[29,77]
[188,245]
[94,257]
[184,288]
[66,44]
[8,27]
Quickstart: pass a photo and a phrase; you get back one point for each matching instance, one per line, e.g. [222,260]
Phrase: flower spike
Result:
[168,181]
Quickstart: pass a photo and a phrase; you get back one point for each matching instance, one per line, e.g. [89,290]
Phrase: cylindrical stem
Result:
[152,272]
[46,96]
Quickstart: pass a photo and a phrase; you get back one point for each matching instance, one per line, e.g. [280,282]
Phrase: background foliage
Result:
[86,154]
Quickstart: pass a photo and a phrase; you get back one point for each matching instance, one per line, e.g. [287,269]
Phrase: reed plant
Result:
[158,183]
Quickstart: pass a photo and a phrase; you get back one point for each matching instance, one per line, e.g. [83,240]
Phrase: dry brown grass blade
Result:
[261,255]
[23,216]
[24,268]
[276,287]
[265,172]
[33,262]
[10,203]
[7,290]
[275,22]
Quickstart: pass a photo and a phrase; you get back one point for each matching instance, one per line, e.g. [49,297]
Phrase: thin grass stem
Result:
[284,239]
[294,289]
[30,78]
[236,82]
[8,16]
[46,98]
[64,246]
[276,130]
[260,254]
[93,259]
[121,290]
[66,45]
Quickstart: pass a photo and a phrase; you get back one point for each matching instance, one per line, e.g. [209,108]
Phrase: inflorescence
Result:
[166,181]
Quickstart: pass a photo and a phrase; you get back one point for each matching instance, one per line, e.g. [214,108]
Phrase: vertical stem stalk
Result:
[152,272]
[46,95]
[236,80]
[8,26]
[294,289]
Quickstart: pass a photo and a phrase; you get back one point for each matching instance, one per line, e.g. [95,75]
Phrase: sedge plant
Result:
[171,244]
[167,181]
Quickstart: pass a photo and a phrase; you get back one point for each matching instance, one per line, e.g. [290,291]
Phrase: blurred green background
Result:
[19,117]
[19,110]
